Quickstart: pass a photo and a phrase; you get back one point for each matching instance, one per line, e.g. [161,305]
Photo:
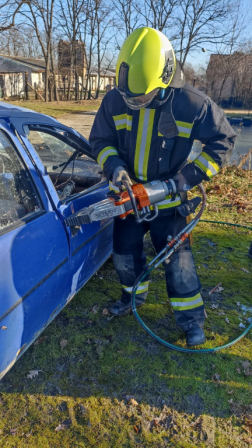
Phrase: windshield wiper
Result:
[71,158]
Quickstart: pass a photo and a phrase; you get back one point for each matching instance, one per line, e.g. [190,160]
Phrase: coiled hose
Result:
[168,251]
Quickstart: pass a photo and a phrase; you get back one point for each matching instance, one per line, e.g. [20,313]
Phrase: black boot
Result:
[250,251]
[195,336]
[123,306]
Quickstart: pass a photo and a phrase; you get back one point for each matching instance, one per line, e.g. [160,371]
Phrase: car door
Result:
[90,244]
[34,257]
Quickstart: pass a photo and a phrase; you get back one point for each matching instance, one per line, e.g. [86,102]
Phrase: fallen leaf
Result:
[63,343]
[132,402]
[3,327]
[227,320]
[214,306]
[245,270]
[216,377]
[230,391]
[33,373]
[64,425]
[238,370]
[28,435]
[94,309]
[249,441]
[40,340]
[136,429]
[105,312]
[13,431]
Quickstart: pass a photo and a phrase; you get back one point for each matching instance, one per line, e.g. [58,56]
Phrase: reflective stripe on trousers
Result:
[182,282]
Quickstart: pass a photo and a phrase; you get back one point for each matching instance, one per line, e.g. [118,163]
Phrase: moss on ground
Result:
[57,108]
[104,382]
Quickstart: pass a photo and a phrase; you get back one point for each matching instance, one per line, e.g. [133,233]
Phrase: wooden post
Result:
[26,86]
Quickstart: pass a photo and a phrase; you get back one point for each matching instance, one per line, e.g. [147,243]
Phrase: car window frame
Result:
[65,201]
[26,219]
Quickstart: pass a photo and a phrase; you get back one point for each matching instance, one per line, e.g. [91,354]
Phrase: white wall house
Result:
[14,70]
[12,74]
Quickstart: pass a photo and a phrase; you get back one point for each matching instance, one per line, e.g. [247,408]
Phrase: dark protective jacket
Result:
[155,143]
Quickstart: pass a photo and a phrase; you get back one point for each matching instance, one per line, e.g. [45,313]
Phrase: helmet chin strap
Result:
[162,97]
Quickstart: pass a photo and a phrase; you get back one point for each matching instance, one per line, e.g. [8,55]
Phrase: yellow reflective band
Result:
[184,124]
[143,143]
[105,153]
[123,121]
[167,203]
[184,128]
[143,287]
[207,164]
[183,304]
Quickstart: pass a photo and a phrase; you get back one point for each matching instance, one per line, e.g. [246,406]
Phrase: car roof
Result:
[13,111]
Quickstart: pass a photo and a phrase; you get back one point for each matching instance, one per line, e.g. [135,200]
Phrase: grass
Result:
[104,382]
[56,109]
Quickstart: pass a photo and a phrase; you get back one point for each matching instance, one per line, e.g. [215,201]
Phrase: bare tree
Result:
[8,11]
[157,14]
[229,65]
[126,16]
[40,16]
[71,17]
[20,41]
[105,31]
[202,21]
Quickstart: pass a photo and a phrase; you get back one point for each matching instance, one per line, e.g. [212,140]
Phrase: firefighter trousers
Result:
[183,284]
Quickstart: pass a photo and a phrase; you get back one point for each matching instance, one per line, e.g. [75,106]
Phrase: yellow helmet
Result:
[146,65]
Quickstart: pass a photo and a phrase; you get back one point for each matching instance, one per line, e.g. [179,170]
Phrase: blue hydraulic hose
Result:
[143,275]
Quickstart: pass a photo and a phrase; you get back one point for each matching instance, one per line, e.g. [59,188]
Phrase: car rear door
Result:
[34,257]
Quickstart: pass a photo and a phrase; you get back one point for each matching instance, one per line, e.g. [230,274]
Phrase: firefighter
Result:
[144,131]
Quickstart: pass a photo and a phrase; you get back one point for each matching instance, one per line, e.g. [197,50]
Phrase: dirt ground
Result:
[81,122]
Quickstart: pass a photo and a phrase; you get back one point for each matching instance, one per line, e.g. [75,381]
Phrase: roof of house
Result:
[34,64]
[110,73]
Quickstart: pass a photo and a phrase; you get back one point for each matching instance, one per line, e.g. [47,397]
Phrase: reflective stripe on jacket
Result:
[155,143]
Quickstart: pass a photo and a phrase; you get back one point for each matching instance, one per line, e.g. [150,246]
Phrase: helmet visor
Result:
[140,101]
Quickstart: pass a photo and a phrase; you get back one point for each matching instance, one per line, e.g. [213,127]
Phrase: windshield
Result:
[66,157]
[49,147]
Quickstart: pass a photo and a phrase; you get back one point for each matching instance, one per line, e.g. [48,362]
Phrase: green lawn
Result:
[56,109]
[104,382]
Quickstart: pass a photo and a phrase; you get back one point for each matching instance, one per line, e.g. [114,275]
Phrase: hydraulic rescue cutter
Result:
[139,199]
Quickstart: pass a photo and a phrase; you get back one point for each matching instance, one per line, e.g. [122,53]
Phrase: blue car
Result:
[47,174]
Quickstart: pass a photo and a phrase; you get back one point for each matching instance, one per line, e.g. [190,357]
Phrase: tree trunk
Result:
[76,86]
[26,85]
[69,87]
[47,71]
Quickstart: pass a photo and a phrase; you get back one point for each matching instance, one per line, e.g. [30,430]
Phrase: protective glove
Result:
[176,185]
[119,175]
[181,183]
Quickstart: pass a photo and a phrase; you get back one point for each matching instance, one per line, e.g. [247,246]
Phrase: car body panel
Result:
[43,263]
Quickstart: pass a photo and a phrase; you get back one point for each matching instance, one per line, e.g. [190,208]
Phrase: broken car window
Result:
[18,198]
[70,169]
